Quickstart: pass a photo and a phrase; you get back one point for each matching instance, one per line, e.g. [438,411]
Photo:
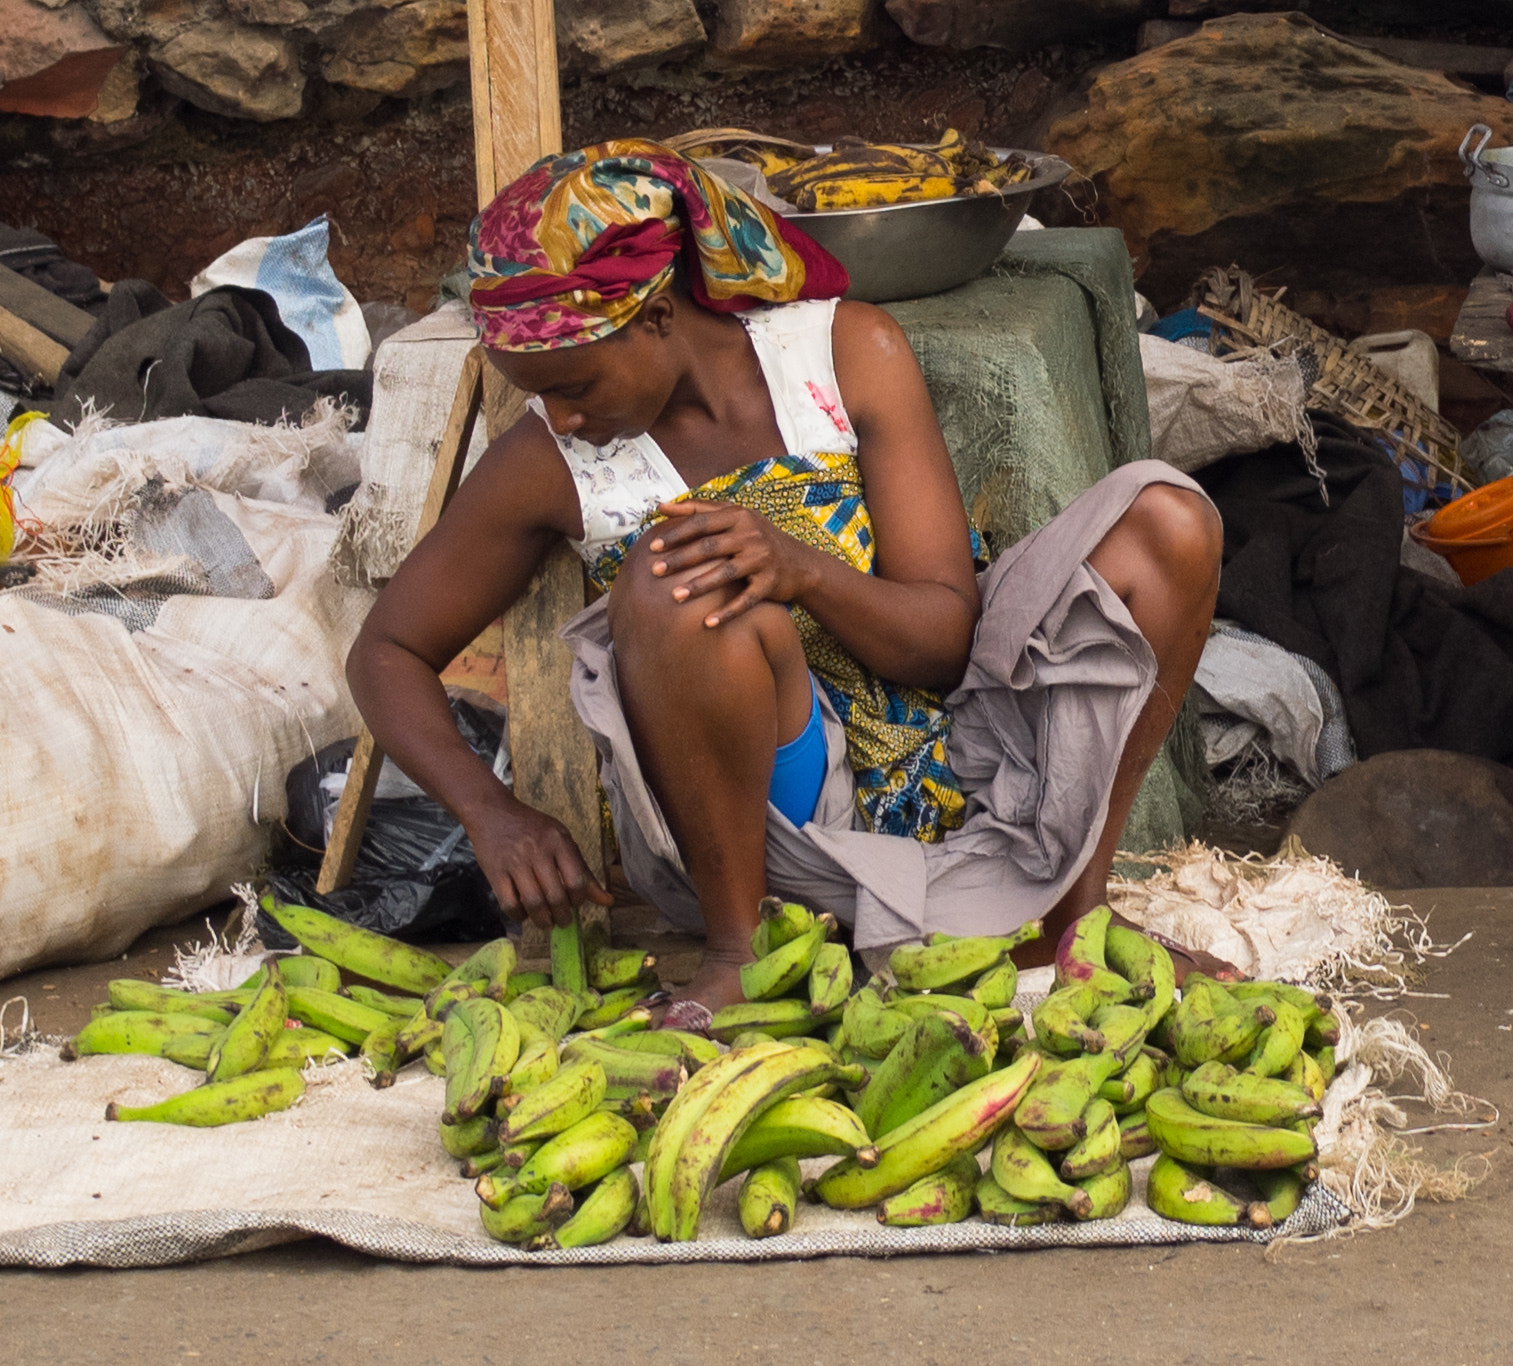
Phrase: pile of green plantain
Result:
[556,1084]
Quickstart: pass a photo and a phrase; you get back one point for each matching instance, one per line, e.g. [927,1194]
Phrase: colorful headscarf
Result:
[567,253]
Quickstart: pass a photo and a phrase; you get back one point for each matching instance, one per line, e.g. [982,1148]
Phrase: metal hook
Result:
[1474,163]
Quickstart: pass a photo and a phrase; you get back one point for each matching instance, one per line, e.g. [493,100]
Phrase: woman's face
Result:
[612,388]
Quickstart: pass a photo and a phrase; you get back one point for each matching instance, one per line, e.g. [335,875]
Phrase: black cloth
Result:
[27,252]
[1421,664]
[225,354]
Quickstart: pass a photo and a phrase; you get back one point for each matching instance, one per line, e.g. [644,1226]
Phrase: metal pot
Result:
[1491,177]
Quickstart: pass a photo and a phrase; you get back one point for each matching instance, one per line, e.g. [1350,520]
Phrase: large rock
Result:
[227,68]
[596,36]
[775,32]
[155,20]
[408,50]
[1415,818]
[53,60]
[1021,25]
[303,16]
[1284,147]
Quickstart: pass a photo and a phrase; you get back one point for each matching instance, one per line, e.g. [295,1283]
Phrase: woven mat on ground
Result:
[364,1168]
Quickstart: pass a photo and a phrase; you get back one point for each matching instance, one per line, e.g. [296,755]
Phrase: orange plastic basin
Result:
[1474,533]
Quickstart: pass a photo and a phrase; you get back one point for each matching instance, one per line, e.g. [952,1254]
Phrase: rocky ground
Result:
[1434,1288]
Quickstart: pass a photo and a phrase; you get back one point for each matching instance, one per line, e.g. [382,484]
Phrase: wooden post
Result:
[517,120]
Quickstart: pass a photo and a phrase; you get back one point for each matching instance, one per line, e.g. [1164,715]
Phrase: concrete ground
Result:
[1437,1288]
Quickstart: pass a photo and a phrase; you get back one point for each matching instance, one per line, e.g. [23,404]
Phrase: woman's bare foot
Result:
[717,983]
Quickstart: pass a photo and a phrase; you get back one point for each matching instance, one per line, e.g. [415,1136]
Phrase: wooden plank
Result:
[31,351]
[517,112]
[44,310]
[367,759]
[551,754]
[1482,336]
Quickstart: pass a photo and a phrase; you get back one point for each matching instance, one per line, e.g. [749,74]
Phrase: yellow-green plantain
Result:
[939,1055]
[628,1073]
[1025,1172]
[493,1050]
[136,1031]
[800,1126]
[477,1135]
[1193,1137]
[538,1063]
[961,1123]
[306,970]
[402,1006]
[1190,1195]
[248,1096]
[1304,1071]
[1062,1021]
[1145,1072]
[783,1018]
[339,1015]
[580,1155]
[417,1034]
[473,1166]
[612,969]
[768,1197]
[779,971]
[516,984]
[829,979]
[602,1214]
[1282,1190]
[730,1111]
[1108,1191]
[569,970]
[1208,1026]
[934,967]
[127,993]
[694,1050]
[997,1206]
[380,1052]
[1080,958]
[1051,1114]
[1280,1042]
[996,987]
[1098,1150]
[358,951]
[527,1216]
[1145,965]
[1135,1136]
[1218,1090]
[682,1114]
[551,1009]
[545,1110]
[872,1027]
[781,922]
[1123,1028]
[943,1197]
[613,1007]
[244,1045]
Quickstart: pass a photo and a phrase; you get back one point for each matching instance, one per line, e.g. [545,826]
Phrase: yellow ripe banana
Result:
[221,1102]
[768,1197]
[602,1214]
[361,952]
[873,191]
[1304,1071]
[943,1197]
[244,1045]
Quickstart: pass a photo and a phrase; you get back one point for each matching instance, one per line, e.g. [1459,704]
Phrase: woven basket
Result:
[1341,382]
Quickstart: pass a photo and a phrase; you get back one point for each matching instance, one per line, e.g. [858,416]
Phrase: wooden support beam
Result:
[517,111]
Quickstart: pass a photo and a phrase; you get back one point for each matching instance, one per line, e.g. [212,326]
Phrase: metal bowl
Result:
[903,251]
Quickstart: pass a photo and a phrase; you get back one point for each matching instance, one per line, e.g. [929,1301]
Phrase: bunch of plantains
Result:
[556,1084]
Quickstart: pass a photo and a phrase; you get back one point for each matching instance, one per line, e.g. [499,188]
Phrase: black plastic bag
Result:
[416,876]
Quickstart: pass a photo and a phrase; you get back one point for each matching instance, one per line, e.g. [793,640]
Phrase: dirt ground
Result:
[1437,1288]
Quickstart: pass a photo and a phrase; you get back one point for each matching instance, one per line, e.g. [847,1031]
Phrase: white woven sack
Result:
[143,769]
[415,375]
[1203,408]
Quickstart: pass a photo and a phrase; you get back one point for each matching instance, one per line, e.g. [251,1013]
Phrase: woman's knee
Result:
[1179,529]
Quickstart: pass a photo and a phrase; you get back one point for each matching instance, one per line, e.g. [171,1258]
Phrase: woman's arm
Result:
[477,560]
[913,618]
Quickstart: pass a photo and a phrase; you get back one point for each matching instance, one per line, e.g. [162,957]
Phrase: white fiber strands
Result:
[1294,917]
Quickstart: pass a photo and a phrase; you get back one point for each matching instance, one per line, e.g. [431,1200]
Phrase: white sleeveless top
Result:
[619,484]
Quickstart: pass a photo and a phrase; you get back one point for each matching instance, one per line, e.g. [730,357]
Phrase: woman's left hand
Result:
[736,544]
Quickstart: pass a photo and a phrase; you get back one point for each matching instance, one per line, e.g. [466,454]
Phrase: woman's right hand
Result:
[536,870]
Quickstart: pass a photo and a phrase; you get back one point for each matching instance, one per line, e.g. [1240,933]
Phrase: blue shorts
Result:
[798,770]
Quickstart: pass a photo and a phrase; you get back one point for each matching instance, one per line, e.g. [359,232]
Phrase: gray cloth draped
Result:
[1058,674]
